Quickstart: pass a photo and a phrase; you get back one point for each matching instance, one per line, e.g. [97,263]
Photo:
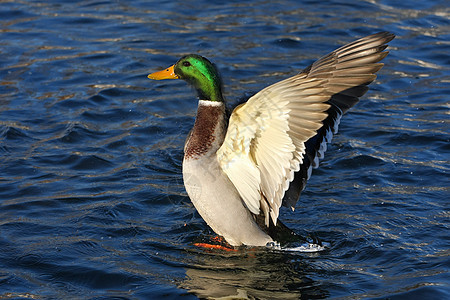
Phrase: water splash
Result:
[305,247]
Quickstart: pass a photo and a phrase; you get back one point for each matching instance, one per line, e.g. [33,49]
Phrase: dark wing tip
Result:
[386,35]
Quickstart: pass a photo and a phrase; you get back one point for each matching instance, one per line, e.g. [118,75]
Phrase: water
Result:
[92,204]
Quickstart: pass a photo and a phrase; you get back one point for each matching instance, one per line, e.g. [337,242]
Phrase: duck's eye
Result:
[186,64]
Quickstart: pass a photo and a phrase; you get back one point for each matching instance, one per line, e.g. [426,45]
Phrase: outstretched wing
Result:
[265,144]
[369,48]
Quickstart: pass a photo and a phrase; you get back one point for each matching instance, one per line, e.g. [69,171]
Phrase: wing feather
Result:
[267,138]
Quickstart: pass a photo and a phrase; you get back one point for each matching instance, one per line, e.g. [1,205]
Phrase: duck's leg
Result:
[221,244]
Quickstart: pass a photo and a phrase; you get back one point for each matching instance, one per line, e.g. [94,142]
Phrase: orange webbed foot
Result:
[221,244]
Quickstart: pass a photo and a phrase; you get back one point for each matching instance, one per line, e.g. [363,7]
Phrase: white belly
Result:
[219,204]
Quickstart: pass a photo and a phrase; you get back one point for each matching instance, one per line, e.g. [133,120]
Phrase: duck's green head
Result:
[197,71]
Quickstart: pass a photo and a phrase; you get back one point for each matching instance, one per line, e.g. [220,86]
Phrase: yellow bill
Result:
[164,74]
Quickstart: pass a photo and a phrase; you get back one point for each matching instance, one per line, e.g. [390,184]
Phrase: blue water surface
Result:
[92,203]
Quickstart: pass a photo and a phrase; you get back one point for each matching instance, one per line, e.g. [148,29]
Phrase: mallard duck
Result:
[239,171]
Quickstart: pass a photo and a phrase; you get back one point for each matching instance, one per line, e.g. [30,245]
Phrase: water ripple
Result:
[92,203]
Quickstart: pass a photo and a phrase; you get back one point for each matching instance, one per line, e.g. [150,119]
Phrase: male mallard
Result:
[238,172]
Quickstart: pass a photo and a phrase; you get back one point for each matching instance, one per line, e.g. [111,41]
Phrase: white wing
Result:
[264,144]
[265,141]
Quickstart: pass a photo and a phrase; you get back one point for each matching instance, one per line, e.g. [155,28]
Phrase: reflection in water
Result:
[251,274]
